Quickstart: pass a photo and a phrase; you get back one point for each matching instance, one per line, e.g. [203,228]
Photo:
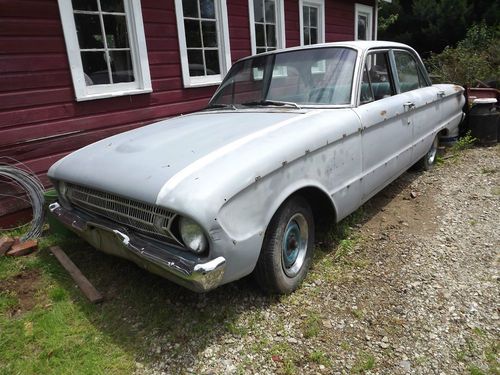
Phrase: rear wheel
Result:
[429,159]
[288,246]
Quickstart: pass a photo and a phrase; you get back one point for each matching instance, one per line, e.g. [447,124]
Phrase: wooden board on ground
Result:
[83,283]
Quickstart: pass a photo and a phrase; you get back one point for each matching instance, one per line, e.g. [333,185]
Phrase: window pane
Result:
[261,50]
[212,61]
[407,71]
[379,75]
[112,6]
[88,29]
[270,11]
[307,39]
[85,5]
[209,33]
[95,68]
[121,66]
[207,8]
[259,35]
[195,59]
[116,31]
[362,24]
[271,35]
[257,9]
[314,16]
[193,36]
[190,8]
[314,35]
[305,15]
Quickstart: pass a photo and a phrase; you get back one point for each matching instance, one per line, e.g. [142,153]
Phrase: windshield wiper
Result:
[221,105]
[271,102]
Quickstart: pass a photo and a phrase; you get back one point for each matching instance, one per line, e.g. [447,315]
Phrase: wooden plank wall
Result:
[40,121]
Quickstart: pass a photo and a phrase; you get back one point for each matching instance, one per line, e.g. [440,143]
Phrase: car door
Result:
[424,101]
[386,132]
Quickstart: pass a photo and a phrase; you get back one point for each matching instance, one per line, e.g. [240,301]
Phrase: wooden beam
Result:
[83,283]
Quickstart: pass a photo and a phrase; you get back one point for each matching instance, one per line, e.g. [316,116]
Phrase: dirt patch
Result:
[24,287]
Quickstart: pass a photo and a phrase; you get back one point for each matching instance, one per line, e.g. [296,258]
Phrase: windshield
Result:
[321,76]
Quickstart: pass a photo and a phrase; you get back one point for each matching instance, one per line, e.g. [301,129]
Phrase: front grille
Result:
[145,218]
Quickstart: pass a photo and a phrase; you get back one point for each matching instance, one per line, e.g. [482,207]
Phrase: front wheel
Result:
[429,159]
[288,247]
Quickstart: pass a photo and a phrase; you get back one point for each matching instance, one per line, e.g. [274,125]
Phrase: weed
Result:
[345,345]
[464,143]
[320,358]
[358,313]
[474,370]
[364,362]
[488,170]
[289,367]
[312,325]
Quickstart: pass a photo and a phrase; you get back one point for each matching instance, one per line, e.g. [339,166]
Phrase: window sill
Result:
[113,94]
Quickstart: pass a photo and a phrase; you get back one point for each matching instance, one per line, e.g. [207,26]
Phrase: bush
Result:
[477,57]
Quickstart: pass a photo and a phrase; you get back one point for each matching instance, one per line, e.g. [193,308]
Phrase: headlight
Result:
[192,235]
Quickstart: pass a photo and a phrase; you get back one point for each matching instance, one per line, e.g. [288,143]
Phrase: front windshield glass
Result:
[321,76]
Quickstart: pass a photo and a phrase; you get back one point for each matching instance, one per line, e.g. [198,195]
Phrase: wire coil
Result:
[25,179]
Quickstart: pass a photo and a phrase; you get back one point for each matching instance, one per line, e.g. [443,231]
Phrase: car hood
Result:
[138,163]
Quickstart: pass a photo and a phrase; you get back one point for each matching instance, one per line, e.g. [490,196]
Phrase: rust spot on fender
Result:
[383,113]
[457,88]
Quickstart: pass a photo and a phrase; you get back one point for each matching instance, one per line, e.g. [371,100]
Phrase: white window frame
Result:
[280,25]
[320,4]
[138,52]
[223,44]
[368,11]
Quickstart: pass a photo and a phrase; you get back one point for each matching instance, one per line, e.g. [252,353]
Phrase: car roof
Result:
[360,45]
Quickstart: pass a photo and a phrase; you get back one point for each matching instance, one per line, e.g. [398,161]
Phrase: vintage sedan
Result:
[289,138]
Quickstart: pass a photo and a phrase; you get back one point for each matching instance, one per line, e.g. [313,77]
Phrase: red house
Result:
[75,71]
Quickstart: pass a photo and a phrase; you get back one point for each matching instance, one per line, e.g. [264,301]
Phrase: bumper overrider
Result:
[163,260]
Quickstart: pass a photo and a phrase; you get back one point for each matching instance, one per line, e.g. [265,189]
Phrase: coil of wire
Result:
[27,181]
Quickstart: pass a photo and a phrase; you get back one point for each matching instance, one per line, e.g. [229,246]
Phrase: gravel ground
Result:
[413,288]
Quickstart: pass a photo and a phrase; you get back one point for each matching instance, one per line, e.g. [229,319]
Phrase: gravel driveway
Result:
[412,289]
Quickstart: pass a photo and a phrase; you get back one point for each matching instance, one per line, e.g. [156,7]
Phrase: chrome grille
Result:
[145,218]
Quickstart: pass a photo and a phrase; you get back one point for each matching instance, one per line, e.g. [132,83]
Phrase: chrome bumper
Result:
[164,261]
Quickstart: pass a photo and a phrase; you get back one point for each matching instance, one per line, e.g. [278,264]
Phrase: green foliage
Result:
[464,143]
[477,57]
[364,363]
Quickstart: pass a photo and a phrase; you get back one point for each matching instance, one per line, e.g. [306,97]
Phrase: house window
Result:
[203,41]
[106,47]
[312,21]
[267,20]
[363,26]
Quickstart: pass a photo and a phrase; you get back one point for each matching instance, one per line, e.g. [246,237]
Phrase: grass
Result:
[320,357]
[62,333]
[312,325]
[364,362]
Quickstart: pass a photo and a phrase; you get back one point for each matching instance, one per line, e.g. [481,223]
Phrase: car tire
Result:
[288,247]
[429,159]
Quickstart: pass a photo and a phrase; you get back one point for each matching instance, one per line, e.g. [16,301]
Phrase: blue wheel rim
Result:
[294,245]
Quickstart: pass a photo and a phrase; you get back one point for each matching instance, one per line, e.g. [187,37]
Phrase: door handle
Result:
[441,93]
[409,105]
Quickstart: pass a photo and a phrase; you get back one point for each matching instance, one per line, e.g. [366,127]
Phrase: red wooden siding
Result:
[40,121]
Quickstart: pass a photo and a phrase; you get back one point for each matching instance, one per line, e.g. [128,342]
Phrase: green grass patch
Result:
[320,357]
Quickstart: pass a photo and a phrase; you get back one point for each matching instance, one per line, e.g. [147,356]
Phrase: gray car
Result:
[290,137]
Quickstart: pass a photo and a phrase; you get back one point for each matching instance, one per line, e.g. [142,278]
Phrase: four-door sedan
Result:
[290,137]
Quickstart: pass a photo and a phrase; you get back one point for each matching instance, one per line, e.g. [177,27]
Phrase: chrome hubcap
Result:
[294,245]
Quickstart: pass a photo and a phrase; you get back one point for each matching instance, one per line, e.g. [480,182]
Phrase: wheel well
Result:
[321,204]
[443,132]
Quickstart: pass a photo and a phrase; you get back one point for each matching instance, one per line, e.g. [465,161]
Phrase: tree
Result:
[431,25]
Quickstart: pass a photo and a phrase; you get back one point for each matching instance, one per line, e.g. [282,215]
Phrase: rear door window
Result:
[409,76]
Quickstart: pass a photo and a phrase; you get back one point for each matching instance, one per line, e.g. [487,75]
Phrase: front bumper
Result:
[116,240]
